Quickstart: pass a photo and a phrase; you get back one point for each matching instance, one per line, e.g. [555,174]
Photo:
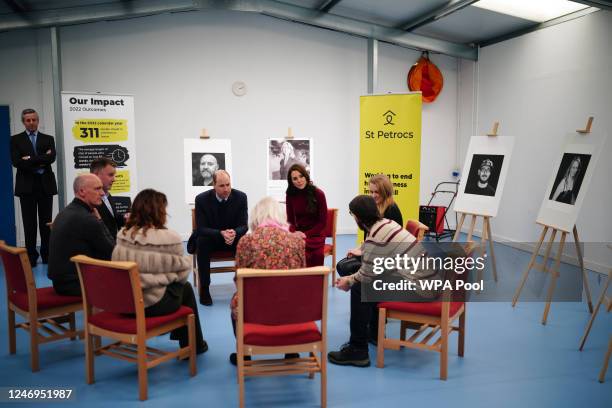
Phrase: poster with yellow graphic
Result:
[101,125]
[390,143]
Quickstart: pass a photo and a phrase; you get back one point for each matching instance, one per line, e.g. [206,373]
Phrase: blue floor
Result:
[510,360]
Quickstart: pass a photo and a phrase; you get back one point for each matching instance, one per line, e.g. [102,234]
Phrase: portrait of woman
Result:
[569,178]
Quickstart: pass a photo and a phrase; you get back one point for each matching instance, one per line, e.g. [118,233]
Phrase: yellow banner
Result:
[100,130]
[122,182]
[390,143]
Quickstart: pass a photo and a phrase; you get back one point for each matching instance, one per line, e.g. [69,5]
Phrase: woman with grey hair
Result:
[269,245]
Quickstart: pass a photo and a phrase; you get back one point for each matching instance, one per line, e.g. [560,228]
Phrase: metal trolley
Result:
[439,227]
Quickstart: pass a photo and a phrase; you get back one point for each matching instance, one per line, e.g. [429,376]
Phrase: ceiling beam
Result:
[92,13]
[328,5]
[449,8]
[536,27]
[365,29]
[313,17]
[602,4]
[17,6]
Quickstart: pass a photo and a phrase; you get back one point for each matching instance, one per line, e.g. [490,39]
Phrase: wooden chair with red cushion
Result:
[433,322]
[45,311]
[330,232]
[113,306]
[277,314]
[215,256]
[417,228]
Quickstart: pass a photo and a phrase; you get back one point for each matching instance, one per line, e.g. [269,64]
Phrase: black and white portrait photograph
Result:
[569,178]
[201,158]
[484,174]
[203,165]
[282,154]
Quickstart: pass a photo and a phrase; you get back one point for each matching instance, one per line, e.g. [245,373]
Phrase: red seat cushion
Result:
[222,254]
[127,324]
[328,249]
[282,335]
[425,308]
[46,298]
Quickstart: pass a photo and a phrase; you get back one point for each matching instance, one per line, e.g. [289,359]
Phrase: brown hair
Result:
[148,211]
[311,200]
[100,163]
[385,190]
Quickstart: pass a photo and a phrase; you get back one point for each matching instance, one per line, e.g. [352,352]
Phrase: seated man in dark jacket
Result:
[78,229]
[221,220]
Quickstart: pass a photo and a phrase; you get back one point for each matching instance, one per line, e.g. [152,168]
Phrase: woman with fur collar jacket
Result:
[163,267]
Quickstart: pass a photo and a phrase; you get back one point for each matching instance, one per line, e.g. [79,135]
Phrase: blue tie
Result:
[33,140]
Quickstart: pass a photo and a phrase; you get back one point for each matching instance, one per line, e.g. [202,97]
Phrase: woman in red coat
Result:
[306,212]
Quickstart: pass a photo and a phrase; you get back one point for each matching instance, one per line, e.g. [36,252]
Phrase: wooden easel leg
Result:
[458,231]
[491,251]
[555,275]
[602,373]
[602,296]
[471,231]
[482,245]
[536,251]
[585,278]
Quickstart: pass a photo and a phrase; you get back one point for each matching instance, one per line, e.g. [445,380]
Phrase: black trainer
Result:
[349,355]
[234,358]
[205,298]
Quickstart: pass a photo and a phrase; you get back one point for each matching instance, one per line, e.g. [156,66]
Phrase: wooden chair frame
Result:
[334,243]
[256,368]
[216,269]
[44,326]
[424,337]
[132,347]
[422,229]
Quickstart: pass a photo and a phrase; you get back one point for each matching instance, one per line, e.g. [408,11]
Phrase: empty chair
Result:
[45,312]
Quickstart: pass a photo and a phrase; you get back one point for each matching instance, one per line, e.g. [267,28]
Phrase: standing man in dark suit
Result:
[105,169]
[221,220]
[32,153]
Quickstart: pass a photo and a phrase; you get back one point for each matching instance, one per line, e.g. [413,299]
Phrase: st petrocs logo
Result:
[388,115]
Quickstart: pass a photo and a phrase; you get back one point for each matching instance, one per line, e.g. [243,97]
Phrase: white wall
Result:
[180,68]
[540,87]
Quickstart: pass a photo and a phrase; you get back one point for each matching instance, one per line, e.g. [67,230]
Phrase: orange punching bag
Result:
[425,76]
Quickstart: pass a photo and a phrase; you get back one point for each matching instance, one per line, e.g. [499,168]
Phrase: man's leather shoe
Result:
[205,298]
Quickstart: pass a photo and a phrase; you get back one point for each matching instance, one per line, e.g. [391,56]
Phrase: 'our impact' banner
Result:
[390,143]
[97,125]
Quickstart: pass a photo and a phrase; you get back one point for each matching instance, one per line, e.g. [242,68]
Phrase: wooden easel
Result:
[554,271]
[486,236]
[606,301]
[486,226]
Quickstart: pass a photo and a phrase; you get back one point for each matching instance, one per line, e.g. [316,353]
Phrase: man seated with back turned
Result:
[78,229]
[105,169]
[384,238]
[221,220]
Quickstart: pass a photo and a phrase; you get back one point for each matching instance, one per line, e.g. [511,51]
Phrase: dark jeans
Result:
[177,295]
[364,319]
[68,288]
[206,245]
[36,211]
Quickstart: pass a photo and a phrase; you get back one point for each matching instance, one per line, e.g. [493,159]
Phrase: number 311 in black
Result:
[89,132]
